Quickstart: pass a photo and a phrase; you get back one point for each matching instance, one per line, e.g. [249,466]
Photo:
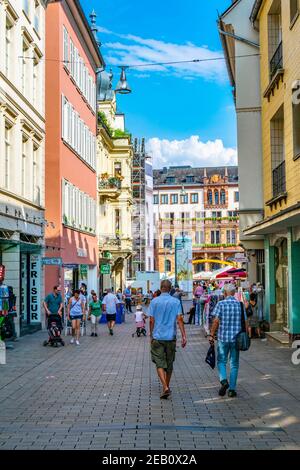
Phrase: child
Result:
[140,323]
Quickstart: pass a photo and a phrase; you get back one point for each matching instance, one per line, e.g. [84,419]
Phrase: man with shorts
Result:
[109,307]
[164,313]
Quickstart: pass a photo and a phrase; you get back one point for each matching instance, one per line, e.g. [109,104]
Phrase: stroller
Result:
[54,331]
[140,322]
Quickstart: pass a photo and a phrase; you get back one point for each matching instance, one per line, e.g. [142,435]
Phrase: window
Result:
[66,48]
[232,213]
[168,266]
[184,198]
[230,236]
[118,221]
[190,179]
[236,196]
[223,197]
[168,241]
[79,209]
[217,199]
[76,134]
[8,46]
[25,75]
[233,236]
[170,179]
[215,237]
[277,153]
[164,199]
[209,197]
[37,17]
[24,167]
[194,198]
[200,215]
[117,169]
[174,198]
[155,198]
[35,79]
[8,154]
[216,214]
[26,7]
[296,122]
[36,190]
[294,9]
[275,38]
[199,238]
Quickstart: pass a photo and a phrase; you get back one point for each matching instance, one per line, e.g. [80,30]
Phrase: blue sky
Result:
[185,112]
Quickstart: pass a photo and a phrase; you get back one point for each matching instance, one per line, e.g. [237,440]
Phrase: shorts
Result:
[94,319]
[111,317]
[163,354]
[80,317]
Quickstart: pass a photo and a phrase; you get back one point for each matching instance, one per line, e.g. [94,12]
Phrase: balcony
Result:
[109,186]
[115,243]
[276,63]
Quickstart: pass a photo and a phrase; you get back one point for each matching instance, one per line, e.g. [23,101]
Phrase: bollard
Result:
[2,353]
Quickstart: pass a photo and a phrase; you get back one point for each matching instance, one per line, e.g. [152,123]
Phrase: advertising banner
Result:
[184,264]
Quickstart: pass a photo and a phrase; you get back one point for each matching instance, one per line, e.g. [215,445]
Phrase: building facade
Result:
[279,29]
[114,164]
[22,155]
[73,58]
[202,203]
[142,217]
[240,43]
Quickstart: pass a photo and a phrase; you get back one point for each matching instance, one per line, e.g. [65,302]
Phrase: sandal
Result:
[165,394]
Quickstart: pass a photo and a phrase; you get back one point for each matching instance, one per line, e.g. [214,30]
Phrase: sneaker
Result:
[72,341]
[232,393]
[93,334]
[225,386]
[77,342]
[111,332]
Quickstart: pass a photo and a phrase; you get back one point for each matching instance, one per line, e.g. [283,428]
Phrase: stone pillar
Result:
[294,276]
[270,292]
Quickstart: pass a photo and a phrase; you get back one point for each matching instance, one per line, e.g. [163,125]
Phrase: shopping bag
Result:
[211,357]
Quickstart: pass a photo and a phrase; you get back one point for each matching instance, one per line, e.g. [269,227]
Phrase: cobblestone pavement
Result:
[104,394]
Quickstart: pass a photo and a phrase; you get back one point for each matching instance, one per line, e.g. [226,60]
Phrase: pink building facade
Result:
[72,61]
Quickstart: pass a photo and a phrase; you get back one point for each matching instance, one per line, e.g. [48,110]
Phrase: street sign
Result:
[70,266]
[83,270]
[52,261]
[105,269]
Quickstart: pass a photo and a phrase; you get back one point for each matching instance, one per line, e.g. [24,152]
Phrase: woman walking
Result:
[76,310]
[95,312]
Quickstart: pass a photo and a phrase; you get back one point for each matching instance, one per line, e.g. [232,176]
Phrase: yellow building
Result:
[114,162]
[279,28]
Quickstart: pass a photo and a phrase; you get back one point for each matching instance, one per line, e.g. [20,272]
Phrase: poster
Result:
[184,264]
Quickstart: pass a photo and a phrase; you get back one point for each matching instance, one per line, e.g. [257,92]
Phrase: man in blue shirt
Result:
[164,313]
[228,321]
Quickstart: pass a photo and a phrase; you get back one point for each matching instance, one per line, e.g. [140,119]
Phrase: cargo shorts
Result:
[163,354]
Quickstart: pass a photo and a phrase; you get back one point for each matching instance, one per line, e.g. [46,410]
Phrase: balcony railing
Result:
[109,183]
[276,62]
[279,181]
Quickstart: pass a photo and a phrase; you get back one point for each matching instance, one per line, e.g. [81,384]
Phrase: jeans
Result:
[224,349]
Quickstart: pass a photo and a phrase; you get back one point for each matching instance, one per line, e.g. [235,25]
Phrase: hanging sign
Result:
[2,272]
[35,288]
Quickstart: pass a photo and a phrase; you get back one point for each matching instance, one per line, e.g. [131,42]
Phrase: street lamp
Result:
[123,87]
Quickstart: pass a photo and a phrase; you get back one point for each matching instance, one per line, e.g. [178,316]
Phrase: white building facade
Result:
[22,137]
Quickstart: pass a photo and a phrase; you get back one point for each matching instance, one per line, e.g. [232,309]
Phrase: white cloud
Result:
[190,151]
[134,50]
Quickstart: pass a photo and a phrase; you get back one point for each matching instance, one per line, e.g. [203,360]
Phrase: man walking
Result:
[128,296]
[53,303]
[109,307]
[228,322]
[164,312]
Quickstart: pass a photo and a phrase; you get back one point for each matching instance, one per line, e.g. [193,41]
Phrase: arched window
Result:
[209,197]
[168,266]
[168,241]
[217,198]
[199,267]
[223,197]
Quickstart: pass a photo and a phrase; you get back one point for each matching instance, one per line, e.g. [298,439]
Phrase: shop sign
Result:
[70,266]
[107,254]
[35,288]
[52,261]
[83,270]
[105,269]
[2,272]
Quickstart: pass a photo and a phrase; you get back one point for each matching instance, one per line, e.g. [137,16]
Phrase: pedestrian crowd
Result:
[233,325]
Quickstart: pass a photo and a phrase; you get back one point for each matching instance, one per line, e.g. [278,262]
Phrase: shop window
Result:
[168,266]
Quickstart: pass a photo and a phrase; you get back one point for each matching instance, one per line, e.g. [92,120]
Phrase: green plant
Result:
[65,220]
[103,120]
[118,133]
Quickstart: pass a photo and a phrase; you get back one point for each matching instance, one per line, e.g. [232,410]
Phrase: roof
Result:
[181,173]
[233,4]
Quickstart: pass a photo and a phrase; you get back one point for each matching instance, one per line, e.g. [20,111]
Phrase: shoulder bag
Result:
[243,341]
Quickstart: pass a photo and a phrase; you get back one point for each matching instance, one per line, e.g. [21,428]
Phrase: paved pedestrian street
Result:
[104,394]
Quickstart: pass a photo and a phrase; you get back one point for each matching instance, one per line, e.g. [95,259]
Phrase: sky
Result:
[185,111]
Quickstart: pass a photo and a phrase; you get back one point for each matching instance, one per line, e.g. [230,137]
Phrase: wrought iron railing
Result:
[279,180]
[276,62]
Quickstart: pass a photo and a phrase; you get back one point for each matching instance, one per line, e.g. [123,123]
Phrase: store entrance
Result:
[281,269]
